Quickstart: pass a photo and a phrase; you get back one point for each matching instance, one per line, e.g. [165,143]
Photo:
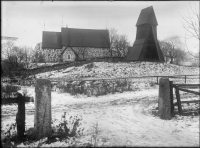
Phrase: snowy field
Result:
[124,119]
[110,70]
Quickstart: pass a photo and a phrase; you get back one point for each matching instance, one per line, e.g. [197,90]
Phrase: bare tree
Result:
[118,43]
[172,49]
[165,47]
[180,55]
[7,49]
[174,43]
[190,23]
[37,55]
[121,45]
[10,54]
[113,37]
[14,58]
[25,54]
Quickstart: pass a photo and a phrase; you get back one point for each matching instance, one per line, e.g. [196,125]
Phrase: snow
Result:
[37,65]
[108,70]
[124,119]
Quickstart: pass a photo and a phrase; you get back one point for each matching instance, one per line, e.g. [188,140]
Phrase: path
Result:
[124,119]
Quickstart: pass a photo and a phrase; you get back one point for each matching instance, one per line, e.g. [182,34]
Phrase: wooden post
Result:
[91,87]
[171,96]
[42,119]
[185,78]
[164,103]
[113,89]
[20,117]
[157,79]
[178,100]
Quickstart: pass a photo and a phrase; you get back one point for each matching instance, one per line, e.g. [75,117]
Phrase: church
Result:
[75,44]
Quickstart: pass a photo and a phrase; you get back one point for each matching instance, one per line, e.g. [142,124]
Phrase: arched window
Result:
[69,56]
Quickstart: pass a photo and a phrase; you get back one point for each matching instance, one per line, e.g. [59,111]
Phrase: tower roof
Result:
[147,16]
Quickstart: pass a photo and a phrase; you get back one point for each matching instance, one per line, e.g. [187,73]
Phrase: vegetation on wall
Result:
[99,87]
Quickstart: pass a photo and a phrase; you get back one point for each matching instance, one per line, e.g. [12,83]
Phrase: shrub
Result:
[65,129]
[68,128]
[8,90]
[102,87]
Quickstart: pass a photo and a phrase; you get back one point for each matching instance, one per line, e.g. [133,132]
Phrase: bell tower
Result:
[146,47]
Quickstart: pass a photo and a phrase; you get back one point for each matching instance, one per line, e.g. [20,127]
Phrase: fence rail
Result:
[15,100]
[115,78]
[20,117]
[32,81]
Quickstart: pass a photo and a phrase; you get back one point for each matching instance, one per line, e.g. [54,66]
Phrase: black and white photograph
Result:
[100,74]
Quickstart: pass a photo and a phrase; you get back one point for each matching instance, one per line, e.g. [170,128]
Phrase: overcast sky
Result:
[27,20]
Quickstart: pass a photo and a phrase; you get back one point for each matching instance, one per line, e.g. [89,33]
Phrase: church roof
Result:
[73,37]
[147,16]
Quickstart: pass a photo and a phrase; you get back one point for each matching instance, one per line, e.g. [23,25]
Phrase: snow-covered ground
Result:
[109,70]
[124,119]
[36,65]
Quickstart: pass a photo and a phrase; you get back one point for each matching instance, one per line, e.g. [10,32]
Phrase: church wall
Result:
[52,55]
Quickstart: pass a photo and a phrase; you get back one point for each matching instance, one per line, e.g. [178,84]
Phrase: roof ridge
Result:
[86,29]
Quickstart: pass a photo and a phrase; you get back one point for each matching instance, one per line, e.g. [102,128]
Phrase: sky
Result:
[27,20]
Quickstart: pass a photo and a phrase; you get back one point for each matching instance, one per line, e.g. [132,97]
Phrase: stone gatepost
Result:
[42,119]
[164,104]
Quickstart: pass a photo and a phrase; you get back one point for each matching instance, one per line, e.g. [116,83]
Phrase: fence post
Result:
[20,117]
[113,89]
[171,96]
[42,119]
[178,100]
[185,78]
[164,103]
[157,79]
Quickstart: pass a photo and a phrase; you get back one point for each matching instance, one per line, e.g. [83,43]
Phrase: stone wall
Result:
[52,55]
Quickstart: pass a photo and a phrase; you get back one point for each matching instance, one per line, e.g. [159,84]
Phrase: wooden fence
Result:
[20,117]
[18,81]
[185,77]
[5,101]
[184,88]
